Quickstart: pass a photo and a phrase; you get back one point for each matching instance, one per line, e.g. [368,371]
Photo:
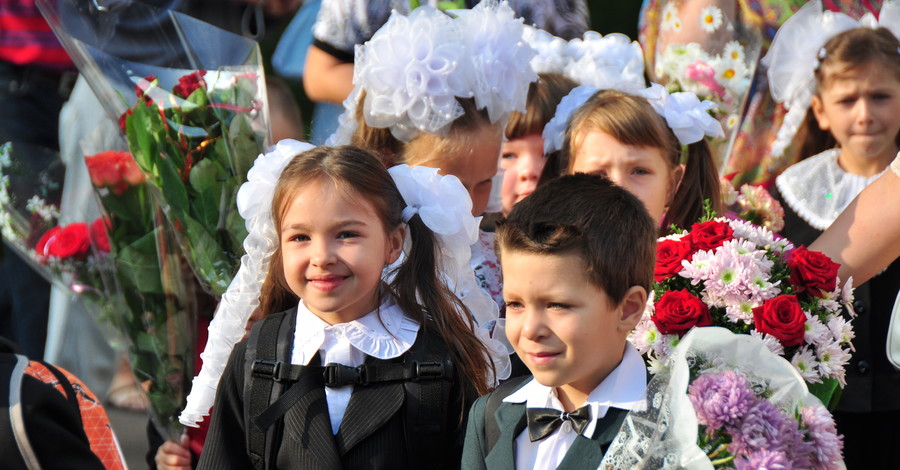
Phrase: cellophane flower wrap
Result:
[64,248]
[190,102]
[752,203]
[725,400]
[190,99]
[733,274]
[711,52]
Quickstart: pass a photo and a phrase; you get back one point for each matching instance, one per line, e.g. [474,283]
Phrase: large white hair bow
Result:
[794,56]
[611,62]
[415,67]
[254,201]
[444,206]
[686,115]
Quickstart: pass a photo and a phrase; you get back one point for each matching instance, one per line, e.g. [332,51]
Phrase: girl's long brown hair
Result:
[632,120]
[417,286]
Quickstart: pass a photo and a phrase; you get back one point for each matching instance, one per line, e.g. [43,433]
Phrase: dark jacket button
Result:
[863,367]
[859,307]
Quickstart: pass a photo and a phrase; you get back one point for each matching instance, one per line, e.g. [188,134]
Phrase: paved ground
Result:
[130,428]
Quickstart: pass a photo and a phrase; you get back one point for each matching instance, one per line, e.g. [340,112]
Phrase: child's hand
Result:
[174,456]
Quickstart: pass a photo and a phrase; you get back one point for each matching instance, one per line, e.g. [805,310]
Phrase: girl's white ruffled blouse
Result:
[384,333]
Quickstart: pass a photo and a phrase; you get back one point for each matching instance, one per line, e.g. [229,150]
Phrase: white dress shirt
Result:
[384,333]
[623,388]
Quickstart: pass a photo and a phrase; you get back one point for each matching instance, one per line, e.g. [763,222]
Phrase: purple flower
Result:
[766,427]
[720,399]
[826,443]
[763,460]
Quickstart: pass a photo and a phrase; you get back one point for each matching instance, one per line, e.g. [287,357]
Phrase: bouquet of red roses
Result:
[66,254]
[733,274]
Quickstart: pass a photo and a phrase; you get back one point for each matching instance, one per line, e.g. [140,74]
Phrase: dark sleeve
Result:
[226,445]
[54,428]
[474,448]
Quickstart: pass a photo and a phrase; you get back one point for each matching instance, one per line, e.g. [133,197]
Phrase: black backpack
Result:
[272,385]
[15,447]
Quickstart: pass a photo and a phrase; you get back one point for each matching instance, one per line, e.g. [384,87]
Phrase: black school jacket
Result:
[372,433]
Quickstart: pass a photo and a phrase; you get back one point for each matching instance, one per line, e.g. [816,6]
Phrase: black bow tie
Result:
[543,422]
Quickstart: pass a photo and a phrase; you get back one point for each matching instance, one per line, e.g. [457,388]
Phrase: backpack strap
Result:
[68,390]
[12,391]
[270,341]
[494,400]
[427,399]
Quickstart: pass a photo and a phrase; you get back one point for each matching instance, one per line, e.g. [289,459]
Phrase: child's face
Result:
[643,171]
[474,162]
[563,327]
[522,161]
[861,109]
[333,248]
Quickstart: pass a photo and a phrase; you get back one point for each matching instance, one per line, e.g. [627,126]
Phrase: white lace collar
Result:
[384,333]
[818,189]
[623,388]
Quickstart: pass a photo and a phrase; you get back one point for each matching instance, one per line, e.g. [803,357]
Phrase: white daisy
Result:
[733,51]
[670,17]
[732,122]
[710,18]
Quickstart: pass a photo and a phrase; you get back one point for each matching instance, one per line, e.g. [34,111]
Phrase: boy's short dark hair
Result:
[589,215]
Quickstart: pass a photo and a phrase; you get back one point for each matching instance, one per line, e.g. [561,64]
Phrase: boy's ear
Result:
[631,308]
[395,244]
[818,109]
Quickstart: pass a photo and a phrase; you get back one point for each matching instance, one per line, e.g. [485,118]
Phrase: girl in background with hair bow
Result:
[340,219]
[649,142]
[435,91]
[847,74]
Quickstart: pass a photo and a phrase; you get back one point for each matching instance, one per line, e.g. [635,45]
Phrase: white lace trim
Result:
[818,189]
[384,333]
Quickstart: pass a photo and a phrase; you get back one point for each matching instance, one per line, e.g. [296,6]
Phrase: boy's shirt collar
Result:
[624,388]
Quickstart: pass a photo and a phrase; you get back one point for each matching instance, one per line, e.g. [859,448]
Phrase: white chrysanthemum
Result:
[847,294]
[612,62]
[696,269]
[815,331]
[645,335]
[710,18]
[674,236]
[656,365]
[842,331]
[669,16]
[770,341]
[806,364]
[5,151]
[832,360]
[733,51]
[740,312]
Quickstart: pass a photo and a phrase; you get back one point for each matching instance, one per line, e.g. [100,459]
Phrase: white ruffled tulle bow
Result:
[794,56]
[555,131]
[686,115]
[254,200]
[415,67]
[444,206]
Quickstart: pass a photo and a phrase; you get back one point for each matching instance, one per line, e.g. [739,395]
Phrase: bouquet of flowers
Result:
[66,254]
[752,203]
[190,101]
[711,53]
[739,276]
[724,400]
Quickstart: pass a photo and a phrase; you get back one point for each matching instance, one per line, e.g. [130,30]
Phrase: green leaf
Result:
[828,392]
[246,145]
[207,178]
[138,265]
[210,262]
[171,185]
[237,229]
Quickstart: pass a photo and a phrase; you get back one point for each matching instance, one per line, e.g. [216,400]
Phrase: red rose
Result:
[41,248]
[116,170]
[71,241]
[669,255]
[679,311]
[710,235]
[123,119]
[189,83]
[782,318]
[143,86]
[99,235]
[812,272]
